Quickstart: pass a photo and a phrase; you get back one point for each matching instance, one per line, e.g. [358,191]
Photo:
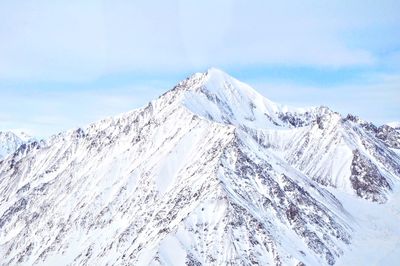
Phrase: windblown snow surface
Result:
[210,173]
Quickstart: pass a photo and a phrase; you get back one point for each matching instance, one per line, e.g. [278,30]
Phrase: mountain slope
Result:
[327,147]
[210,173]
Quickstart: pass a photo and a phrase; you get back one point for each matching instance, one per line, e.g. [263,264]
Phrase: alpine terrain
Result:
[210,173]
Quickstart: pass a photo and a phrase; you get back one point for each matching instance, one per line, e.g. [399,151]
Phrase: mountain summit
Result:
[221,98]
[210,173]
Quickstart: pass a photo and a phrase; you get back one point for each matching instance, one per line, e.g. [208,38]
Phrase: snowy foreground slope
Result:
[210,173]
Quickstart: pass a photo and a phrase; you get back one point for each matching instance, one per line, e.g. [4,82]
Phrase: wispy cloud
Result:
[75,40]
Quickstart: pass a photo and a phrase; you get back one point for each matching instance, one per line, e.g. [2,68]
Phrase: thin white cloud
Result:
[82,40]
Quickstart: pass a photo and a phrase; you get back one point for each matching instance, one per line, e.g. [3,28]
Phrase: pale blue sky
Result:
[64,64]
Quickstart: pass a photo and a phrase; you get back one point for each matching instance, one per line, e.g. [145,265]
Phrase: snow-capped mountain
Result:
[9,142]
[210,173]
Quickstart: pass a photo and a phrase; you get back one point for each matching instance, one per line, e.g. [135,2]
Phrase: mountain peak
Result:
[218,79]
[217,96]
[216,72]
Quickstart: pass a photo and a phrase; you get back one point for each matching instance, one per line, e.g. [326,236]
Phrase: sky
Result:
[64,64]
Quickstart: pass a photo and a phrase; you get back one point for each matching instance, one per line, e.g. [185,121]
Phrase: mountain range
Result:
[210,173]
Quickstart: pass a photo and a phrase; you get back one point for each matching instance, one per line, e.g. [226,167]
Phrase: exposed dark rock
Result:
[366,179]
[18,206]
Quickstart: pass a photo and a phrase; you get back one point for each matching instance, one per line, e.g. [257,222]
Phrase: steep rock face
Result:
[325,152]
[210,173]
[389,135]
[366,178]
